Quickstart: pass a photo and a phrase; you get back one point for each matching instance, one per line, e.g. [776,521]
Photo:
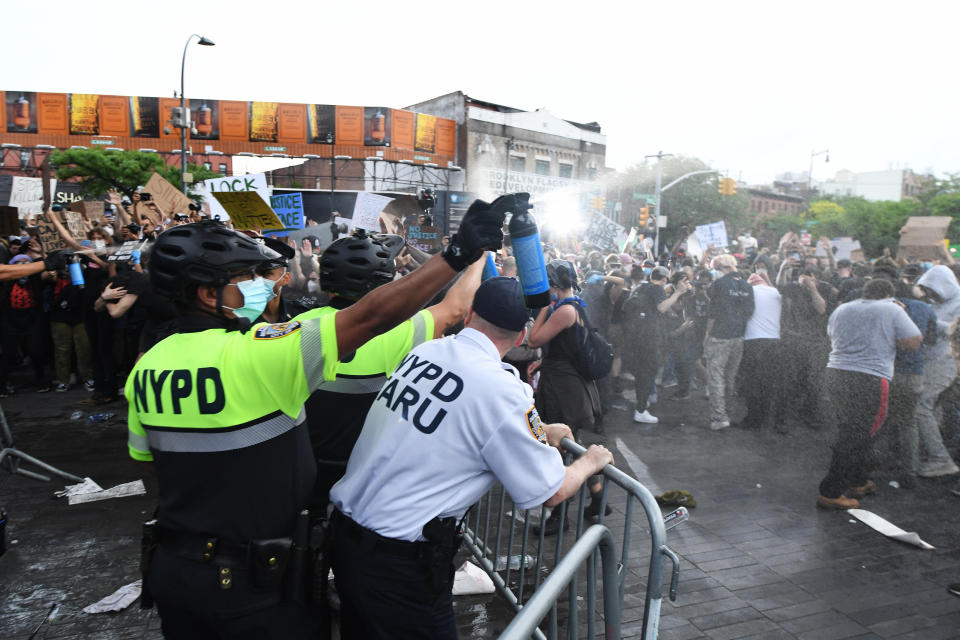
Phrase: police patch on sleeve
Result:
[536,425]
[277,330]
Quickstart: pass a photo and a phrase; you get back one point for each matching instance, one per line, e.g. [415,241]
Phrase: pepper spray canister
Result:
[489,267]
[76,272]
[525,239]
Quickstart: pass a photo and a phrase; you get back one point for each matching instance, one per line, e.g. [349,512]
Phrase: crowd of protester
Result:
[748,321]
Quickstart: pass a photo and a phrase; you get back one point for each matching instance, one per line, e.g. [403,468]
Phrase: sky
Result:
[752,88]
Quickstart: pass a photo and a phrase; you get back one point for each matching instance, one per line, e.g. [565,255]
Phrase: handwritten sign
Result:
[90,209]
[50,238]
[366,211]
[26,194]
[247,210]
[603,232]
[256,182]
[167,197]
[424,238]
[289,208]
[714,234]
[125,252]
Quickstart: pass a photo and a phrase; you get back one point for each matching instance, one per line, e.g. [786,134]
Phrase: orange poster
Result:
[446,137]
[233,121]
[291,122]
[403,126]
[426,133]
[263,121]
[113,116]
[166,106]
[83,114]
[52,113]
[350,125]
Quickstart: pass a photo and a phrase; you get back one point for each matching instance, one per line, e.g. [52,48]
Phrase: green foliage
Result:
[101,171]
[775,227]
[694,201]
[824,209]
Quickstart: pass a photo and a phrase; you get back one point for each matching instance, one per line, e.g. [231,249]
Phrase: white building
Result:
[893,184]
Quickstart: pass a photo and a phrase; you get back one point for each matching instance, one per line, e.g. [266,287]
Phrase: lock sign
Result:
[250,182]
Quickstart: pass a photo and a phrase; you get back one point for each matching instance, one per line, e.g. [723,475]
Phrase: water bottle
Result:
[76,415]
[675,517]
[514,562]
[76,272]
[99,417]
[489,267]
[525,238]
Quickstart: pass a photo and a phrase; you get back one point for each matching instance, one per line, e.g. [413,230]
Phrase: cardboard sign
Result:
[289,208]
[50,238]
[247,210]
[424,238]
[9,221]
[714,234]
[922,238]
[603,232]
[167,197]
[90,209]
[73,221]
[26,194]
[366,211]
[256,182]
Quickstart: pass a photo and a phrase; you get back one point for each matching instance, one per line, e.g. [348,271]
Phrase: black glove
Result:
[57,260]
[480,230]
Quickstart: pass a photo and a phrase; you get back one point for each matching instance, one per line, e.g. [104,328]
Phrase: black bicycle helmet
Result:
[204,252]
[354,266]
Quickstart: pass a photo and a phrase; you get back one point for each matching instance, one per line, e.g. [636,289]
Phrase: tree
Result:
[101,171]
[689,203]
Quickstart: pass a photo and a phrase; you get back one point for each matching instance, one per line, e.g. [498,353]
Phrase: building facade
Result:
[775,203]
[893,184]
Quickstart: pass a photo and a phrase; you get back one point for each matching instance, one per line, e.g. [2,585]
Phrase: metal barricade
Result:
[477,538]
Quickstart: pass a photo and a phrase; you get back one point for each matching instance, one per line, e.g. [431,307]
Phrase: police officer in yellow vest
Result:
[351,268]
[218,408]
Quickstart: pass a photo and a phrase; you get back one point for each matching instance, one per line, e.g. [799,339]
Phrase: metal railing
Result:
[493,560]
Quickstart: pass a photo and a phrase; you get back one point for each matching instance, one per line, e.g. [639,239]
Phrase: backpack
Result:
[594,357]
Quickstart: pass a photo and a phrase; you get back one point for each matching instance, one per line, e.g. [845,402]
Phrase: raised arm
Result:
[454,306]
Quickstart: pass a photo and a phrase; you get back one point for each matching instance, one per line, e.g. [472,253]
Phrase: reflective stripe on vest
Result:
[206,440]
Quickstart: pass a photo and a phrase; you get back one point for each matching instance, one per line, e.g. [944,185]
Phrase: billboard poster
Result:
[84,118]
[52,113]
[426,133]
[402,131]
[322,123]
[233,121]
[350,125]
[263,121]
[165,107]
[113,113]
[446,137]
[291,122]
[21,110]
[205,118]
[376,126]
[144,117]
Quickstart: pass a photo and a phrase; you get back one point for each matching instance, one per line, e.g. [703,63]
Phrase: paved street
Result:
[758,558]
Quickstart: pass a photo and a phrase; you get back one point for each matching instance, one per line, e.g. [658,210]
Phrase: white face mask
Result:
[99,245]
[108,228]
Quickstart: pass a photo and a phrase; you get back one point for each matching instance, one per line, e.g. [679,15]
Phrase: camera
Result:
[181,217]
[145,197]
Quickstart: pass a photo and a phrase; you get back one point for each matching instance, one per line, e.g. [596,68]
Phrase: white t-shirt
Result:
[451,421]
[765,321]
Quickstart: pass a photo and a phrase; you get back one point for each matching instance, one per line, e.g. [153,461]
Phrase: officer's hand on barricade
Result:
[557,432]
[600,456]
[57,260]
[481,229]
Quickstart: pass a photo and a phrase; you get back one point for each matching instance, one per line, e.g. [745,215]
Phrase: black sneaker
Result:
[593,509]
[954,588]
[552,525]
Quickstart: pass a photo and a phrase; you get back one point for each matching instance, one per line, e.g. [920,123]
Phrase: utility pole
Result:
[660,155]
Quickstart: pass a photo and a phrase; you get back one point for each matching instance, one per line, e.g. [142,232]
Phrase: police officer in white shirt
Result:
[451,421]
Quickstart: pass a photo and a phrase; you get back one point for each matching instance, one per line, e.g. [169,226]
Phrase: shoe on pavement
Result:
[645,417]
[935,470]
[89,384]
[843,502]
[716,425]
[552,526]
[868,489]
[592,510]
[63,386]
[954,588]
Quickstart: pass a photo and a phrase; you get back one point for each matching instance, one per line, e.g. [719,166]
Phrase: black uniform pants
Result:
[860,407]
[646,362]
[384,596]
[760,372]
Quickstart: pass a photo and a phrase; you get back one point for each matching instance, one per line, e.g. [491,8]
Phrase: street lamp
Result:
[185,117]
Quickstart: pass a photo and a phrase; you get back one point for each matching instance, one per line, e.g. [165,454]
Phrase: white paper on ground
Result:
[116,601]
[470,580]
[134,488]
[87,486]
[887,528]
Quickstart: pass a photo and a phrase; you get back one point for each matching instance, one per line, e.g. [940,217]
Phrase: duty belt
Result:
[344,525]
[205,549]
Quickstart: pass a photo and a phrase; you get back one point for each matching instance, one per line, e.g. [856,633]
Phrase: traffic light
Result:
[731,187]
[727,186]
[598,203]
[642,216]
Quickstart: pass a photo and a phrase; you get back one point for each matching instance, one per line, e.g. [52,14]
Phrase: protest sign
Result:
[424,238]
[256,182]
[714,234]
[289,209]
[247,210]
[125,252]
[26,194]
[9,221]
[73,221]
[50,238]
[90,209]
[366,211]
[168,198]
[603,232]
[922,238]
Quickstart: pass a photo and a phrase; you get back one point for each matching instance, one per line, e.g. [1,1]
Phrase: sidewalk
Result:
[759,559]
